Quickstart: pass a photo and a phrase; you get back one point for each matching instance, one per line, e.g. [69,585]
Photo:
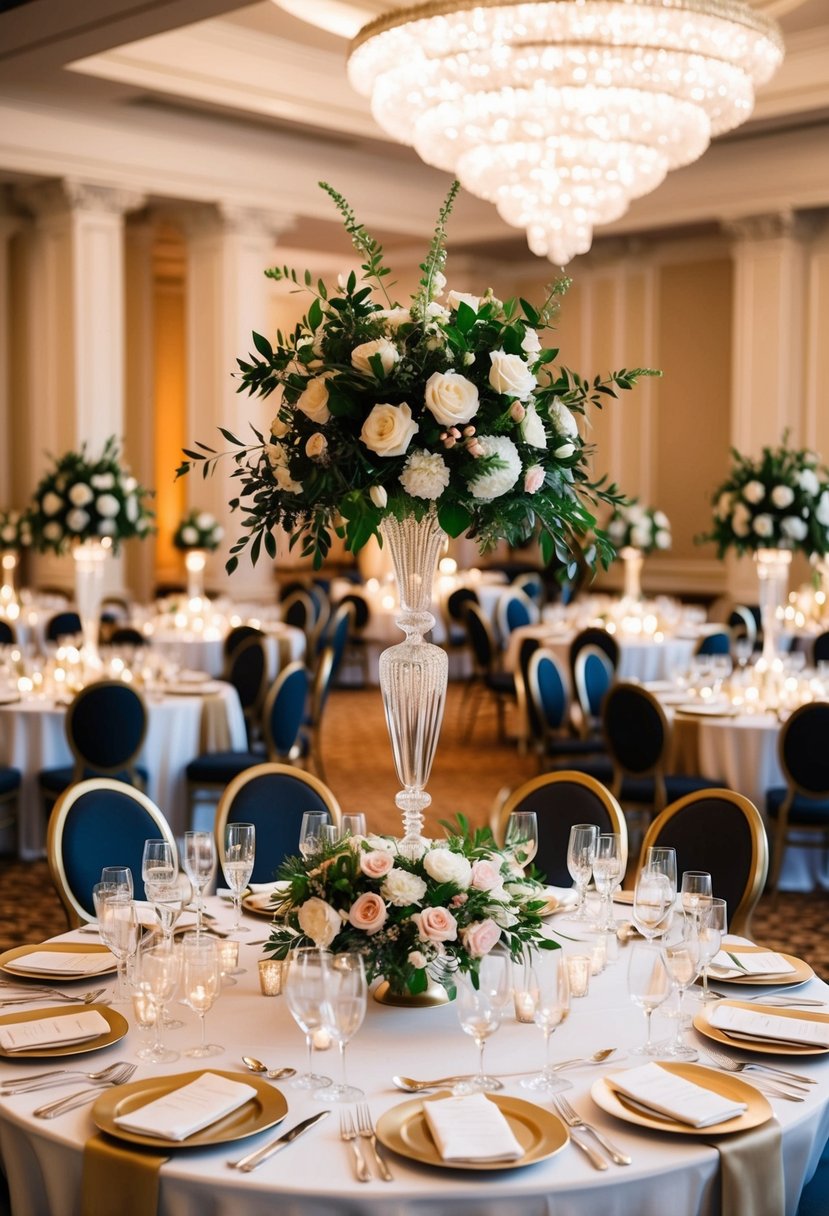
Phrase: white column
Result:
[228,250]
[139,429]
[9,224]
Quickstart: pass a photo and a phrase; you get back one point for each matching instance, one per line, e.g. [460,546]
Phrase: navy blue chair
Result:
[550,703]
[235,637]
[62,625]
[8,637]
[273,797]
[714,643]
[801,806]
[356,648]
[325,675]
[814,1198]
[247,671]
[9,788]
[94,824]
[486,677]
[106,725]
[742,623]
[297,609]
[820,649]
[515,611]
[126,635]
[593,675]
[532,584]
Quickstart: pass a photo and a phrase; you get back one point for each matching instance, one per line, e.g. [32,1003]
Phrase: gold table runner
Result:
[120,1179]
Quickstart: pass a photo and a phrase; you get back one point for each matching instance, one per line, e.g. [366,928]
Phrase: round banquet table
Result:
[284,644]
[640,658]
[313,1177]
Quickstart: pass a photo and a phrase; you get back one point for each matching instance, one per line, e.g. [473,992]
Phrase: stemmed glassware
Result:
[480,1010]
[653,900]
[343,1011]
[237,864]
[161,885]
[309,831]
[118,926]
[607,874]
[696,892]
[648,986]
[353,824]
[202,983]
[199,864]
[521,837]
[157,973]
[549,990]
[120,877]
[581,851]
[304,990]
[682,964]
[713,924]
[662,860]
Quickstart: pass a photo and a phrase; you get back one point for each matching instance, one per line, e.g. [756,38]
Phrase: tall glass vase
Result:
[773,574]
[90,559]
[194,561]
[633,559]
[414,673]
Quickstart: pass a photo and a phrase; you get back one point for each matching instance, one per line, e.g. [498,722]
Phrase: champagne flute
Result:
[202,982]
[199,863]
[696,892]
[549,989]
[663,860]
[521,837]
[480,1008]
[118,926]
[652,904]
[304,992]
[581,850]
[309,831]
[158,873]
[682,965]
[237,864]
[648,985]
[157,970]
[343,1011]
[713,924]
[607,873]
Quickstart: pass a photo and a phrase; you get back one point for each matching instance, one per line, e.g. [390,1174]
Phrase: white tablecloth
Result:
[313,1177]
[640,658]
[284,644]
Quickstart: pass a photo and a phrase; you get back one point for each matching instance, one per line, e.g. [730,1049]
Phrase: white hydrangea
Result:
[52,530]
[763,525]
[189,536]
[131,508]
[52,503]
[641,535]
[102,481]
[754,492]
[808,482]
[662,540]
[794,527]
[782,497]
[425,475]
[741,520]
[402,888]
[106,527]
[77,519]
[822,509]
[107,505]
[80,495]
[205,521]
[497,481]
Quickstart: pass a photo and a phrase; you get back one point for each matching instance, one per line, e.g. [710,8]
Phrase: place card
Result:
[755,1024]
[765,962]
[667,1094]
[63,962]
[59,1031]
[185,1111]
[471,1128]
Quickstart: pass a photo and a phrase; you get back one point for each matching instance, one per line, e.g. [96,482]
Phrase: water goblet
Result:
[118,927]
[648,986]
[713,924]
[199,864]
[549,987]
[682,964]
[607,873]
[581,850]
[237,864]
[120,877]
[662,860]
[521,837]
[652,904]
[480,1010]
[159,874]
[158,969]
[305,992]
[309,831]
[202,982]
[696,892]
[343,1011]
[353,824]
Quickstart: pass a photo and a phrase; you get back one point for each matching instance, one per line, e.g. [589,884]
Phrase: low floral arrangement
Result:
[85,497]
[410,919]
[383,408]
[779,500]
[198,530]
[15,530]
[637,527]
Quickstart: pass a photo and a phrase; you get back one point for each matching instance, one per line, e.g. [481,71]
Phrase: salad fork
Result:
[348,1133]
[45,1080]
[573,1119]
[726,1062]
[118,1077]
[53,994]
[365,1128]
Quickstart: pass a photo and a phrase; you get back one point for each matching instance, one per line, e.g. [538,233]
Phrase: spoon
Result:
[273,1074]
[411,1086]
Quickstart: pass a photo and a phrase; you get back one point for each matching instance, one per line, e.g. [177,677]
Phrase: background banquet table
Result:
[641,657]
[314,1176]
[284,644]
[179,727]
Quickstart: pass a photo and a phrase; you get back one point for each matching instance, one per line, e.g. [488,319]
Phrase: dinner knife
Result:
[262,1154]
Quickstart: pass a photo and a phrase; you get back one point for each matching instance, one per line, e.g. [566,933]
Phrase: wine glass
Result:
[682,964]
[118,927]
[480,1008]
[202,982]
[581,850]
[120,877]
[713,923]
[521,838]
[648,985]
[309,831]
[305,992]
[353,825]
[343,1011]
[663,860]
[199,863]
[237,864]
[549,990]
[696,892]
[159,873]
[652,903]
[607,873]
[157,971]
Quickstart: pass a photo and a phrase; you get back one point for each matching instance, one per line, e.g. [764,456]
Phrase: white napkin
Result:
[471,1129]
[755,1024]
[187,1110]
[267,888]
[766,963]
[667,1094]
[58,1031]
[564,897]
[64,962]
[145,912]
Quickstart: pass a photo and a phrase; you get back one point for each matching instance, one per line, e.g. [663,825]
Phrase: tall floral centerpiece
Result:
[15,534]
[637,531]
[770,507]
[198,534]
[87,505]
[446,415]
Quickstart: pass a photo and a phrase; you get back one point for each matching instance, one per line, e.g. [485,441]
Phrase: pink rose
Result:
[457,901]
[436,925]
[376,864]
[534,479]
[517,412]
[479,937]
[485,876]
[368,912]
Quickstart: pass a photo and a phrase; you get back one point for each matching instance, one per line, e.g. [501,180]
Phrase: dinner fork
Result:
[726,1062]
[45,1080]
[119,1077]
[365,1128]
[573,1119]
[349,1135]
[52,994]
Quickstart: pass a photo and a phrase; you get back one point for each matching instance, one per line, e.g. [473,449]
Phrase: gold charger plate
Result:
[802,971]
[541,1134]
[9,956]
[265,1110]
[702,1024]
[726,1085]
[254,906]
[118,1027]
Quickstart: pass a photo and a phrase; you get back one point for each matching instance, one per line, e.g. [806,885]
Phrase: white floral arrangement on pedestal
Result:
[198,530]
[638,527]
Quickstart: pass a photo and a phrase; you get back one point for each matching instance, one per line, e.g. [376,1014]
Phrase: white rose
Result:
[80,494]
[386,844]
[389,429]
[129,485]
[402,888]
[662,539]
[101,481]
[131,508]
[189,536]
[754,492]
[107,505]
[763,525]
[388,352]
[794,527]
[616,530]
[379,497]
[808,482]
[782,497]
[52,530]
[741,520]
[218,533]
[425,475]
[205,521]
[279,429]
[394,317]
[319,921]
[313,401]
[285,481]
[451,398]
[822,509]
[445,866]
[316,446]
[641,536]
[77,519]
[461,297]
[498,480]
[564,420]
[510,375]
[530,344]
[564,451]
[106,527]
[277,455]
[532,428]
[436,312]
[661,519]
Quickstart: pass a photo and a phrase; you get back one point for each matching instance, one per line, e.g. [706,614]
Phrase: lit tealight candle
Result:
[321,1039]
[229,956]
[271,974]
[598,956]
[578,970]
[524,1006]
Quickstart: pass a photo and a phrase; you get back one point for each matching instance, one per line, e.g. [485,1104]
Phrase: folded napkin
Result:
[58,1031]
[771,1027]
[559,898]
[471,1129]
[665,1093]
[185,1111]
[765,963]
[268,888]
[64,962]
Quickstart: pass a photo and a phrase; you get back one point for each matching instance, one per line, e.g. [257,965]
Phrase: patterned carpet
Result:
[465,778]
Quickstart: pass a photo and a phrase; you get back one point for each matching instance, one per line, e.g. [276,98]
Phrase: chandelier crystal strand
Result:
[562,111]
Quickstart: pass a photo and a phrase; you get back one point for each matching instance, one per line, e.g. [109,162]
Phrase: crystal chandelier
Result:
[562,111]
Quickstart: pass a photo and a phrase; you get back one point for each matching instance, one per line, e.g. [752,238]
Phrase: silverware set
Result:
[357,1128]
[578,1126]
[53,994]
[775,1082]
[46,1080]
[119,1076]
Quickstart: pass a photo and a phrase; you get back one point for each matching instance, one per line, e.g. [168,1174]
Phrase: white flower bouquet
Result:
[637,527]
[15,529]
[452,400]
[84,497]
[779,500]
[198,530]
[410,919]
